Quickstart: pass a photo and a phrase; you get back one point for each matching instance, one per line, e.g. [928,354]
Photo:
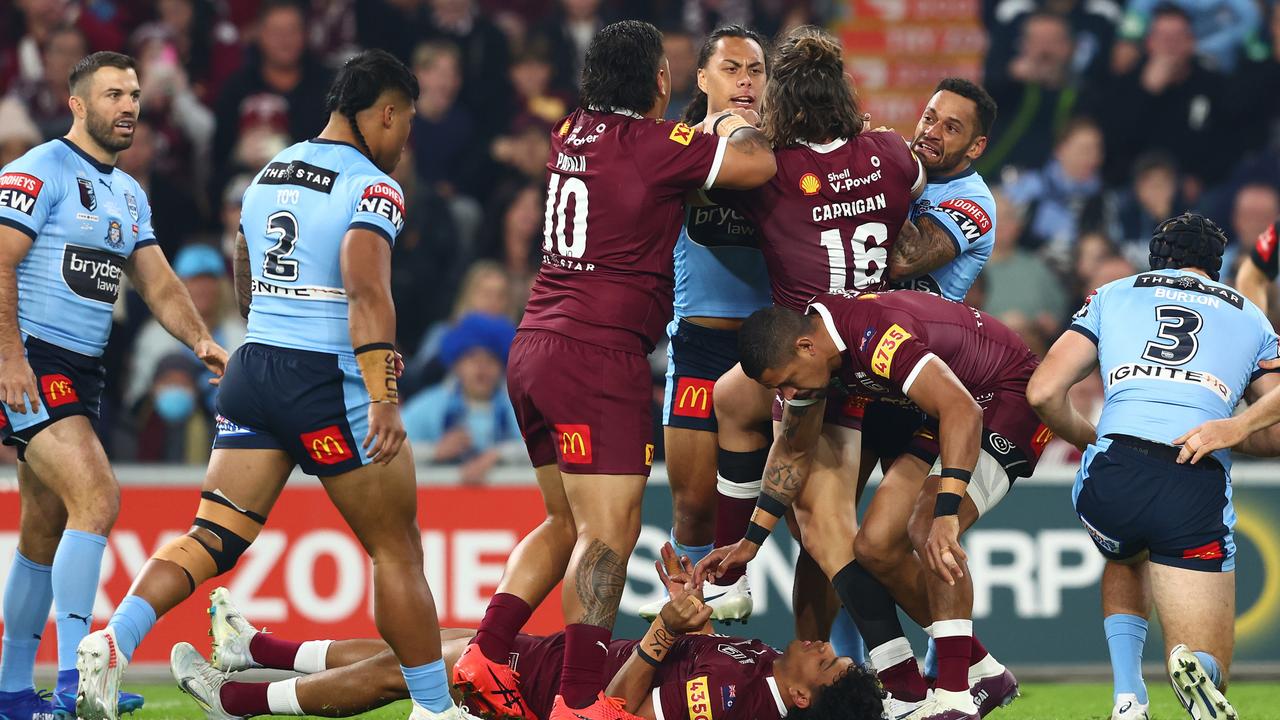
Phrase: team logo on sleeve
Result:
[882,358]
[88,198]
[18,191]
[575,443]
[382,199]
[132,202]
[810,184]
[1266,245]
[681,133]
[969,215]
[1084,309]
[699,698]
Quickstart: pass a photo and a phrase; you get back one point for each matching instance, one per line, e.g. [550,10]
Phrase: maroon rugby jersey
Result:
[886,338]
[615,203]
[704,677]
[829,218]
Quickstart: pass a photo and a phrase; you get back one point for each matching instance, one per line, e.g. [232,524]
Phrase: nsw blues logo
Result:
[132,202]
[115,236]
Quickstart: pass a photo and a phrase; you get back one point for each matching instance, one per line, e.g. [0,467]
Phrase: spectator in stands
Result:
[522,239]
[567,32]
[443,133]
[232,197]
[1256,206]
[396,26]
[1151,197]
[467,419]
[522,155]
[207,46]
[24,60]
[277,96]
[175,212]
[1039,93]
[486,89]
[45,97]
[169,424]
[1255,114]
[1065,196]
[1020,286]
[17,133]
[682,54]
[1167,102]
[1093,23]
[332,31]
[1092,252]
[531,72]
[485,289]
[204,272]
[1220,27]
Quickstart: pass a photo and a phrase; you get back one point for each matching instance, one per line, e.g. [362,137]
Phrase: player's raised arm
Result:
[748,160]
[169,301]
[17,381]
[923,246]
[1260,268]
[366,277]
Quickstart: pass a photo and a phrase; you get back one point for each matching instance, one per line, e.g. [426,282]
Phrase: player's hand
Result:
[1210,436]
[386,432]
[16,381]
[686,615]
[399,364]
[945,556]
[214,357]
[676,574]
[723,559]
[1272,364]
[747,114]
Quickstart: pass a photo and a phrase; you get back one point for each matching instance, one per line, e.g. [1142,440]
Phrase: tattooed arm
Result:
[242,276]
[922,246]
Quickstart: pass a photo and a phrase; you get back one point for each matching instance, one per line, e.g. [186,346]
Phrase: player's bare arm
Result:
[1069,361]
[366,277]
[1252,432]
[168,300]
[748,158]
[16,377]
[242,276]
[938,392]
[1253,283]
[922,246]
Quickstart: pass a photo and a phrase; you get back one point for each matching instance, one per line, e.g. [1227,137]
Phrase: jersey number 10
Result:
[553,225]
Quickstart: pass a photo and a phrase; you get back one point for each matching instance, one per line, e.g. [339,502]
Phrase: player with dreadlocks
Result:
[314,385]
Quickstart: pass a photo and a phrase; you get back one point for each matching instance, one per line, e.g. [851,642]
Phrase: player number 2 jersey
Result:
[294,216]
[1175,349]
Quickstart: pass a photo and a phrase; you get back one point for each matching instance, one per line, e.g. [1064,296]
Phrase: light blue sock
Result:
[1210,665]
[845,638]
[27,597]
[931,660]
[428,686]
[695,552]
[76,567]
[132,621]
[1126,634]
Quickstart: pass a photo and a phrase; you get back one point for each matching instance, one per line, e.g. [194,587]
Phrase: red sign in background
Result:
[306,576]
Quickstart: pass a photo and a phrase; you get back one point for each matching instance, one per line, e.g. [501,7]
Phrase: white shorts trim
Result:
[989,483]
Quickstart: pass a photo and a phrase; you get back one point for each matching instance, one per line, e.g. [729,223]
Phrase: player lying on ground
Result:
[701,675]
[965,370]
[1176,348]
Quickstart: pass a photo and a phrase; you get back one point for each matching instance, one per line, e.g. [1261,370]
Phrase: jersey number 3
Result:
[1178,328]
[277,265]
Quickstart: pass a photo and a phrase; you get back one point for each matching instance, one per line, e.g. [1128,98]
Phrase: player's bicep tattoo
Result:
[750,141]
[919,253]
[243,276]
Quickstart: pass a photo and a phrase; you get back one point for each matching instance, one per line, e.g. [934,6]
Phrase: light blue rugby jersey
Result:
[962,205]
[294,217]
[85,219]
[1176,349]
[719,269]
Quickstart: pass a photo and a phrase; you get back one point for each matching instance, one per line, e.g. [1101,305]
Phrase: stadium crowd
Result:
[1112,117]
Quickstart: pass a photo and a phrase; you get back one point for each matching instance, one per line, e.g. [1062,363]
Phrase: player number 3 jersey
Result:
[294,217]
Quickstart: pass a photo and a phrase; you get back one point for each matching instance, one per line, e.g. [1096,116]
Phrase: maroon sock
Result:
[244,698]
[904,681]
[585,653]
[734,514]
[507,613]
[976,651]
[953,662]
[273,652]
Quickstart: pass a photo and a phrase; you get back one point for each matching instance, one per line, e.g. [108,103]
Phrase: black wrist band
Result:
[716,125]
[946,504]
[957,473]
[647,657]
[374,346]
[771,505]
[756,533]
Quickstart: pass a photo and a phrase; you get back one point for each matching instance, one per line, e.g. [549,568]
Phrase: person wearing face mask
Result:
[171,422]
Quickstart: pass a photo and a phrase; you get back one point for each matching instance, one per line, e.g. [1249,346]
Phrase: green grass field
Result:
[1091,701]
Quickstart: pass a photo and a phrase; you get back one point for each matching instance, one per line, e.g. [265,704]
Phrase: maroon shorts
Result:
[539,660]
[586,408]
[1011,432]
[843,410]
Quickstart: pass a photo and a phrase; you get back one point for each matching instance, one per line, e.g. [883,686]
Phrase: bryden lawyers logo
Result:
[326,446]
[810,184]
[92,274]
[575,443]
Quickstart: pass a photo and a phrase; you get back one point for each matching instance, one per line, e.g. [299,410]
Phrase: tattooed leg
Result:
[606,509]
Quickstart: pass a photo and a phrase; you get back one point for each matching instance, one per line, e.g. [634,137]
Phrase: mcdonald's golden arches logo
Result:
[58,390]
[575,443]
[693,397]
[326,446]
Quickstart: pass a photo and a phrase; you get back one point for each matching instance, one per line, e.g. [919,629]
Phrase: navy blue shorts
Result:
[312,405]
[888,430]
[696,357]
[70,384]
[1132,496]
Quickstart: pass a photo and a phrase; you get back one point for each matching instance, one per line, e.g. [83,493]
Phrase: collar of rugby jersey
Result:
[777,696]
[830,324]
[101,167]
[825,148]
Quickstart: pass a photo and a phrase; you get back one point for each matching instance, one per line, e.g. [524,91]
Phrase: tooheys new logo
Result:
[92,274]
[382,199]
[969,215]
[18,191]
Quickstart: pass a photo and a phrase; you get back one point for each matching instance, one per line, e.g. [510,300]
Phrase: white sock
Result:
[891,653]
[928,631]
[956,700]
[282,697]
[951,628]
[985,668]
[311,656]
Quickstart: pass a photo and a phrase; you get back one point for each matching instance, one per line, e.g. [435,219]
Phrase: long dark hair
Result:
[807,98]
[697,107]
[621,68]
[362,80]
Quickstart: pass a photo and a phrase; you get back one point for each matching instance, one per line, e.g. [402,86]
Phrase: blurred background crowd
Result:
[1114,114]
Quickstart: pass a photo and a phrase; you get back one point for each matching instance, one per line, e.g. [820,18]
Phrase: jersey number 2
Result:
[278,265]
[1178,328]
[870,258]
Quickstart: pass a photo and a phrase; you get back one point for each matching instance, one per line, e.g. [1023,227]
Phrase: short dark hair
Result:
[857,695]
[1059,18]
[1155,160]
[92,63]
[621,68]
[766,338]
[270,6]
[362,80]
[986,105]
[697,107]
[807,98]
[1074,125]
[1165,9]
